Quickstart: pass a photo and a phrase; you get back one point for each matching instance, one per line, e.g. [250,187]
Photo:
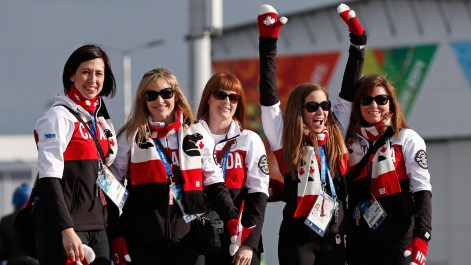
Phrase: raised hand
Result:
[268,23]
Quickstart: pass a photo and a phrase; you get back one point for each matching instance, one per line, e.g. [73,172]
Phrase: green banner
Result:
[405,68]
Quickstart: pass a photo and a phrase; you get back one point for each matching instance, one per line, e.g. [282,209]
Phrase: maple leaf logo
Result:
[301,171]
[201,145]
[268,21]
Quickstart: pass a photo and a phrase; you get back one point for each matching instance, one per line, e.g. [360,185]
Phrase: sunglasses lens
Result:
[325,105]
[151,95]
[221,95]
[166,93]
[313,106]
[379,99]
[366,100]
[382,99]
[234,98]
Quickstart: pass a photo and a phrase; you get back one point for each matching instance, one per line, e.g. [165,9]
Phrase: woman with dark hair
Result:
[310,150]
[71,209]
[241,155]
[388,174]
[165,159]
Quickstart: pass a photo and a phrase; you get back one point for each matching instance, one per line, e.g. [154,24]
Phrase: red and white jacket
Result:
[68,166]
[246,174]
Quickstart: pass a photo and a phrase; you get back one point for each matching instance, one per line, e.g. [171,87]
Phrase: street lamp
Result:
[127,72]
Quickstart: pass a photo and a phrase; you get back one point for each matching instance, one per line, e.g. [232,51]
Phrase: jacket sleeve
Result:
[254,214]
[52,199]
[423,214]
[353,70]
[221,200]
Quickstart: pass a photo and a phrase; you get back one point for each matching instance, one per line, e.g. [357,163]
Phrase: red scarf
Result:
[88,104]
[384,179]
[159,132]
[309,173]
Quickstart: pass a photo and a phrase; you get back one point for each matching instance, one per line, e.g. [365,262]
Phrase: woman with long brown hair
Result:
[310,151]
[391,179]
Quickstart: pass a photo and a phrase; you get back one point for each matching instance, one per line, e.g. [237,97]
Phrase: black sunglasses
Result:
[166,93]
[313,106]
[221,95]
[379,99]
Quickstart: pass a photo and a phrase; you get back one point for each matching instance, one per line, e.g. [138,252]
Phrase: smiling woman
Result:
[75,140]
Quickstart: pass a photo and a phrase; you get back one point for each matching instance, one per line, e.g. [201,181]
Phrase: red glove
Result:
[349,16]
[268,23]
[237,232]
[89,257]
[418,249]
[120,251]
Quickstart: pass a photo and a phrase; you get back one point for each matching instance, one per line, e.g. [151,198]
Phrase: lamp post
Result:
[127,72]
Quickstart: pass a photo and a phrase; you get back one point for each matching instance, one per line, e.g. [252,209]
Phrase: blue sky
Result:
[38,36]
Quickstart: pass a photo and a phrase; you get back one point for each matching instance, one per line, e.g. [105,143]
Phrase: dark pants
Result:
[51,250]
[319,251]
[363,250]
[145,253]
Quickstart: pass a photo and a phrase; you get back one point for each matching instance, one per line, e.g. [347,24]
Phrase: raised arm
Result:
[354,67]
[272,121]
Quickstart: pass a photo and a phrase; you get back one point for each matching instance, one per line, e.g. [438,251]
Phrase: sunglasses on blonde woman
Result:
[221,95]
[166,93]
[313,106]
[379,99]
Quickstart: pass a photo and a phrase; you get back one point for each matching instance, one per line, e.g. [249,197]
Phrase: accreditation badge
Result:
[372,212]
[113,188]
[321,213]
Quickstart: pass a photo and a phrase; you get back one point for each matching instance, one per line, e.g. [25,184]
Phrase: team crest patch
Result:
[263,164]
[421,159]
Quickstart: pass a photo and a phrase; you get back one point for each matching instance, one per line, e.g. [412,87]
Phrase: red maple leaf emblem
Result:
[301,171]
[383,149]
[201,145]
[350,141]
[311,170]
[112,142]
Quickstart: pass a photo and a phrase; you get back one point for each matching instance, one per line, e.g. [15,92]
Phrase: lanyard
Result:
[224,164]
[93,128]
[163,157]
[324,169]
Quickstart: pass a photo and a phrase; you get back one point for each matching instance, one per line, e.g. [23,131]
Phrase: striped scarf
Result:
[309,178]
[384,179]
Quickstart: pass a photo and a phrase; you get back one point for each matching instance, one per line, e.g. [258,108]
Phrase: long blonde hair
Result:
[293,132]
[138,119]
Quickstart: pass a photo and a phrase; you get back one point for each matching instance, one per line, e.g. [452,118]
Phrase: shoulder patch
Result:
[421,159]
[263,164]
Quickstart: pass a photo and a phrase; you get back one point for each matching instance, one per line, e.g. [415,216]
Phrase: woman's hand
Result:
[72,244]
[243,256]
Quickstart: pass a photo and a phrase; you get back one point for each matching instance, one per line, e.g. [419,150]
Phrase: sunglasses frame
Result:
[381,100]
[163,93]
[221,95]
[313,106]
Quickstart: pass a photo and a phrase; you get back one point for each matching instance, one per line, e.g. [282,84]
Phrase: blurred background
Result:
[423,46]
